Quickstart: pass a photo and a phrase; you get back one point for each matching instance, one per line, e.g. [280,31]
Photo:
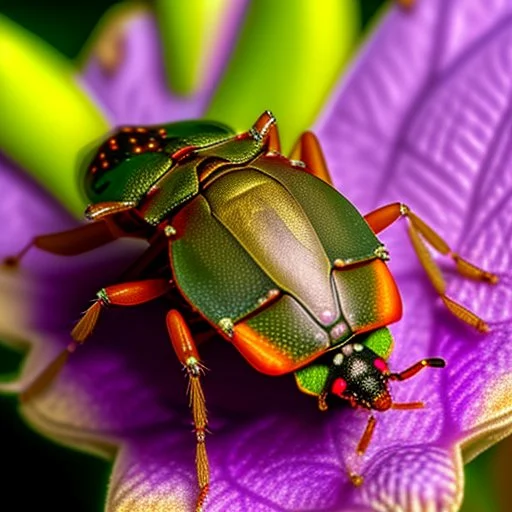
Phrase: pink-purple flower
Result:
[422,117]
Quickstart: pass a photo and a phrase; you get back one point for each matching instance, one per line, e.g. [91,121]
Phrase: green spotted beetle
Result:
[262,248]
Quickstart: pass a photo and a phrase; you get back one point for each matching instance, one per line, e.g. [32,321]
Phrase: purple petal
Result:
[26,210]
[299,464]
[401,114]
[148,475]
[136,92]
[428,470]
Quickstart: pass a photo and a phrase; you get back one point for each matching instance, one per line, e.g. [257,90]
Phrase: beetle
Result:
[262,248]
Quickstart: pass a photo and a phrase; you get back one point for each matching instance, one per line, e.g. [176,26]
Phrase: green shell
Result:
[250,225]
[130,179]
[293,331]
[260,228]
[211,268]
[343,232]
[169,192]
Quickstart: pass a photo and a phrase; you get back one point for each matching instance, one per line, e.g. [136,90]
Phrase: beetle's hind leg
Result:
[124,294]
[187,353]
[419,233]
[69,243]
[106,227]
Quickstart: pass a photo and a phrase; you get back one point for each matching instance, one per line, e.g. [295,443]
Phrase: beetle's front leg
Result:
[383,217]
[186,350]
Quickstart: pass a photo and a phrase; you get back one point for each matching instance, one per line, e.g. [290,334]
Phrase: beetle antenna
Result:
[433,362]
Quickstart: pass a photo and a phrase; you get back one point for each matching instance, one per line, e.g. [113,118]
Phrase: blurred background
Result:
[37,472]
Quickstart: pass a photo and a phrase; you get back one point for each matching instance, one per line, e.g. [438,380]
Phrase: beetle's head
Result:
[360,376]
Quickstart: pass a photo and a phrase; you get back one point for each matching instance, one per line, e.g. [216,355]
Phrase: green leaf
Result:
[187,30]
[286,61]
[48,121]
[480,489]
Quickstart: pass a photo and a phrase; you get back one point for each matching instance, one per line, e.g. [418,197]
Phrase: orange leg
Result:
[308,150]
[125,294]
[357,479]
[419,232]
[69,243]
[274,142]
[46,377]
[364,442]
[186,350]
[77,240]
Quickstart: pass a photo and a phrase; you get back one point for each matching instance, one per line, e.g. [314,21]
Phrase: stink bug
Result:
[264,250]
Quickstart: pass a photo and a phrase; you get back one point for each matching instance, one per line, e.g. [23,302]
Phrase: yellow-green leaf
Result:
[188,31]
[48,120]
[286,61]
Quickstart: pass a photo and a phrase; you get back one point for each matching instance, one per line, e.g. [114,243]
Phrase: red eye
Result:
[338,386]
[381,365]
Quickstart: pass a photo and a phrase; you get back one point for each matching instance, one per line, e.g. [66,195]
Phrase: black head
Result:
[360,376]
